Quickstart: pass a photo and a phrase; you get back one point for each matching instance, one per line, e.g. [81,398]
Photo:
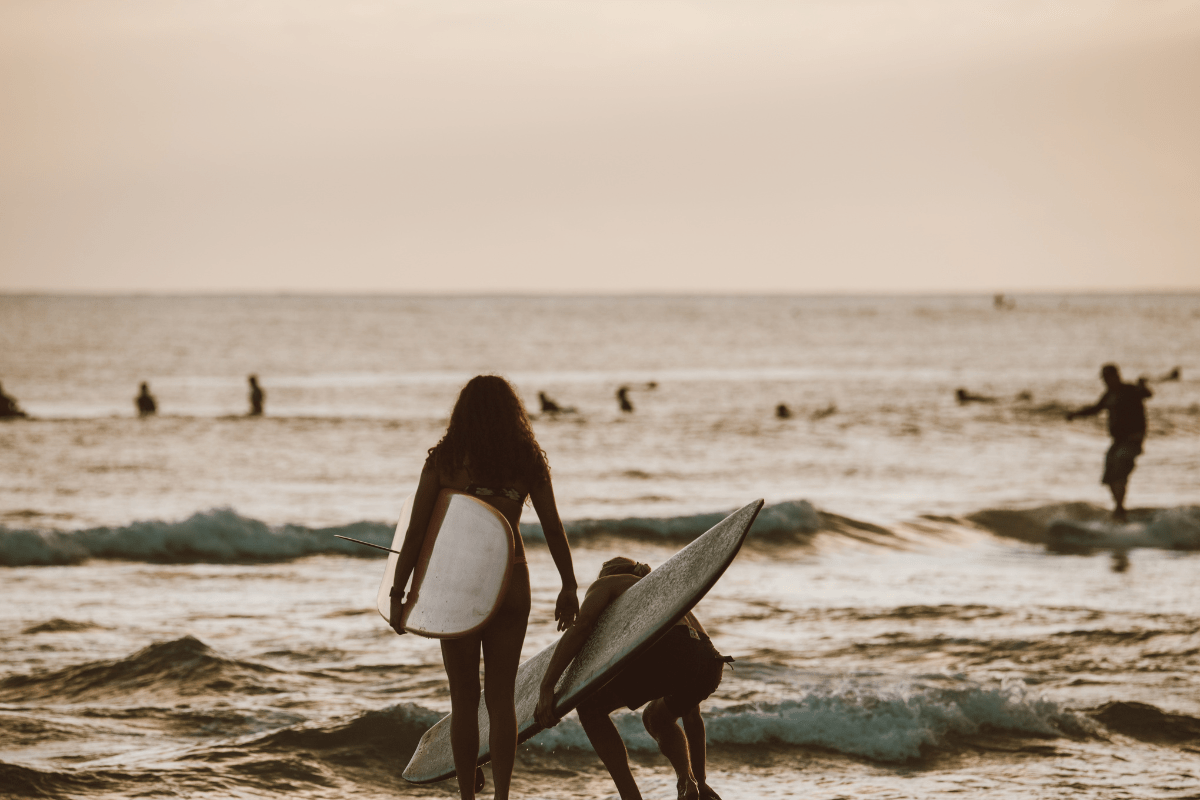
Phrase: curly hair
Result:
[490,435]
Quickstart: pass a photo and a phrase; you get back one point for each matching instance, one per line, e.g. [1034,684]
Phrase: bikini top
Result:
[483,491]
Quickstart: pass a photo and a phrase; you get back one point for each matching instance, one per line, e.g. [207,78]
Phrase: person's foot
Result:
[1119,514]
[480,780]
[688,790]
[707,793]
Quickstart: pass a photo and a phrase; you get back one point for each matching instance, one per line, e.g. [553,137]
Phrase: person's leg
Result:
[502,642]
[1118,464]
[693,729]
[1118,494]
[662,724]
[606,741]
[461,657]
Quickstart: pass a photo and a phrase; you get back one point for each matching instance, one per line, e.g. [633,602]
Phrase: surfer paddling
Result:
[674,676]
[489,451]
[1126,409]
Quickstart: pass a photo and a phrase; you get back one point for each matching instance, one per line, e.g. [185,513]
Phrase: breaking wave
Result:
[222,536]
[1163,528]
[184,666]
[882,725]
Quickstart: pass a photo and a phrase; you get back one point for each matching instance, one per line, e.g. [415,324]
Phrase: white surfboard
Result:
[633,622]
[461,573]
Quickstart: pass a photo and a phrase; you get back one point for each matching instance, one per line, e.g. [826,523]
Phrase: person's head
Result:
[1110,375]
[490,434]
[253,380]
[624,566]
[145,388]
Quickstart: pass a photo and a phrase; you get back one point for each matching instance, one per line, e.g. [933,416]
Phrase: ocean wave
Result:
[1082,527]
[1150,724]
[882,725]
[383,733]
[222,536]
[183,666]
[219,536]
[22,781]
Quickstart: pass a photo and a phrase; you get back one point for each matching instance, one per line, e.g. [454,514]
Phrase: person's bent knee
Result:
[656,715]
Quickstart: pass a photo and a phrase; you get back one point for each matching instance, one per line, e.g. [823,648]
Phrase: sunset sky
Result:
[599,146]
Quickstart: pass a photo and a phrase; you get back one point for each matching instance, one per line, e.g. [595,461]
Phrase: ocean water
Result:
[178,619]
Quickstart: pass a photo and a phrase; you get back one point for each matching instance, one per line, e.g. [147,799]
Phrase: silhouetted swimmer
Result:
[964,397]
[623,398]
[783,412]
[257,396]
[1125,404]
[9,409]
[1173,375]
[1002,303]
[145,402]
[827,411]
[552,408]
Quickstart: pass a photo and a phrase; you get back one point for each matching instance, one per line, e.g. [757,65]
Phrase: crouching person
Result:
[671,679]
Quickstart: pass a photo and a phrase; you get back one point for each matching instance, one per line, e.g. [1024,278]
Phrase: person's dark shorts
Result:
[1118,464]
[683,668]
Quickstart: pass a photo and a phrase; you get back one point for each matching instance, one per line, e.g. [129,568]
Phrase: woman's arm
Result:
[567,606]
[414,537]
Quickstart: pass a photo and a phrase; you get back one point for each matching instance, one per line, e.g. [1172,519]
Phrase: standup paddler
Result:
[489,451]
[674,676]
[1125,404]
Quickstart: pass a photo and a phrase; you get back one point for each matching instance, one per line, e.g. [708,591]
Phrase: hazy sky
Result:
[599,145]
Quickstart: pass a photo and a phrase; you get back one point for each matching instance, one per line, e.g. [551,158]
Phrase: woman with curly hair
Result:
[489,451]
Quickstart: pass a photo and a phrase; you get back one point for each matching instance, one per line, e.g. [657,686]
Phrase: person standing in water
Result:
[145,402]
[676,674]
[257,396]
[489,451]
[1126,409]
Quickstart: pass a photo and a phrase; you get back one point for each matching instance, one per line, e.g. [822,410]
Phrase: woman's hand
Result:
[567,608]
[396,613]
[544,713]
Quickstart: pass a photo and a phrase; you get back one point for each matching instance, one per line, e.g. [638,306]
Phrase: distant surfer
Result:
[489,451]
[1125,404]
[9,409]
[551,407]
[548,405]
[827,411]
[964,397]
[257,396]
[782,411]
[677,673]
[623,399]
[145,402]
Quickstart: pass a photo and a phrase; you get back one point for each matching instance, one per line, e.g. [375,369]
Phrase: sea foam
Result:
[883,725]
